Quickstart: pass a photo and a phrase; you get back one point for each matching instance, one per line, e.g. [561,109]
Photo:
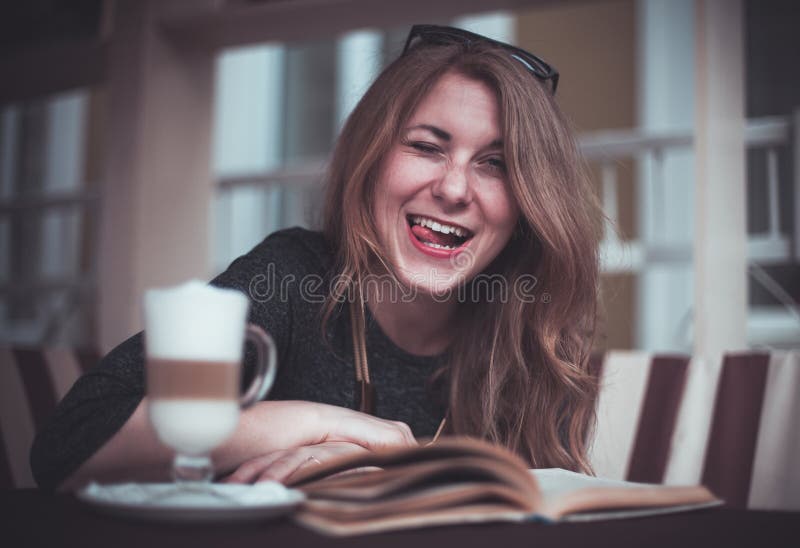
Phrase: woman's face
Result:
[443,205]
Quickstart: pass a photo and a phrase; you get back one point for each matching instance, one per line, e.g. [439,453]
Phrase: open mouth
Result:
[438,235]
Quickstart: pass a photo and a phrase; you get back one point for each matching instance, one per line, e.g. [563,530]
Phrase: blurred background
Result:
[143,143]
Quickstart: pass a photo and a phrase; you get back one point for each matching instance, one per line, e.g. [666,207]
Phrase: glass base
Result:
[189,469]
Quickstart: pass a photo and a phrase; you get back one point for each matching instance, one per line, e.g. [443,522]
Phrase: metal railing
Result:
[607,148]
[78,290]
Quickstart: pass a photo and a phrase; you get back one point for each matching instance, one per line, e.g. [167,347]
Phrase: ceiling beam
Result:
[229,24]
[45,70]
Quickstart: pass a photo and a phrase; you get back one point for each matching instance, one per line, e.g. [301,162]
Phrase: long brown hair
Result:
[525,362]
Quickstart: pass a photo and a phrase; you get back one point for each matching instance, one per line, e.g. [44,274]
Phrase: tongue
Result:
[425,234]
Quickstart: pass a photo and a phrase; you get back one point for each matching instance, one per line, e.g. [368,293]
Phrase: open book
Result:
[461,480]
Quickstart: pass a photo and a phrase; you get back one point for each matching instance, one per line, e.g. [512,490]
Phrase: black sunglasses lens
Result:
[439,36]
[436,36]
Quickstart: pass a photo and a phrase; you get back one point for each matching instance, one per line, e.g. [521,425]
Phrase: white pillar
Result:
[248,134]
[665,190]
[358,64]
[157,182]
[796,156]
[720,259]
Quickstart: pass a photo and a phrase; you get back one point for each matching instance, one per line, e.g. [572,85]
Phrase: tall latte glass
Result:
[194,338]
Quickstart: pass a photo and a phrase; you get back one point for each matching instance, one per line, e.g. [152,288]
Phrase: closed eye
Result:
[496,164]
[422,146]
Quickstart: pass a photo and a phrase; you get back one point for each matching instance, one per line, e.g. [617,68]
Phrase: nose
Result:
[453,187]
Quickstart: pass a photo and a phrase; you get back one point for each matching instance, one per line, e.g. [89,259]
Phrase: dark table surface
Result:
[35,518]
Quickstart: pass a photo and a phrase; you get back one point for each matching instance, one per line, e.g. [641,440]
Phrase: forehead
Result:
[459,101]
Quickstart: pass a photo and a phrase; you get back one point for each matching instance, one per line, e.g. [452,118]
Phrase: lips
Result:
[437,238]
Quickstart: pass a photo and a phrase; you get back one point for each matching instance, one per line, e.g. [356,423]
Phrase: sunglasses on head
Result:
[440,36]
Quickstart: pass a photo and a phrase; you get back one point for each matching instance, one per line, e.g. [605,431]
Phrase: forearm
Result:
[269,426]
[135,453]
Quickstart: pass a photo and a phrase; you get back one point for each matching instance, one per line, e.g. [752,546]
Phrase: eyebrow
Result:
[445,136]
[438,132]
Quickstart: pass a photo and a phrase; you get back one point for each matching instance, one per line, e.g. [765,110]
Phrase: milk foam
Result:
[193,427]
[195,321]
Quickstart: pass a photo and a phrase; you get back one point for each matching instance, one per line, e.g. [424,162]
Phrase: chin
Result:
[440,282]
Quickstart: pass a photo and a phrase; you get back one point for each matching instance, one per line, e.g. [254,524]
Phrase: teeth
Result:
[433,225]
[437,246]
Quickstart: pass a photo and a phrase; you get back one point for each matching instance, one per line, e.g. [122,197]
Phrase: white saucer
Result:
[181,502]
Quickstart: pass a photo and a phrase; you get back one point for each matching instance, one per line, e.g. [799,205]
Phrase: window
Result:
[47,214]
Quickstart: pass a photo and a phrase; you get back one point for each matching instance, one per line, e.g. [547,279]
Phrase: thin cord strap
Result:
[364,391]
[359,344]
[439,430]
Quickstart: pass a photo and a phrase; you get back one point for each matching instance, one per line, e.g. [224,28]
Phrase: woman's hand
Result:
[341,424]
[267,431]
[273,426]
[281,465]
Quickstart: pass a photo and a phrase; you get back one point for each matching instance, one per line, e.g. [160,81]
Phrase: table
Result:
[35,518]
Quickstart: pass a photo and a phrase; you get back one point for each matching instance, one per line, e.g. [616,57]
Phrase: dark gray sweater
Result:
[287,277]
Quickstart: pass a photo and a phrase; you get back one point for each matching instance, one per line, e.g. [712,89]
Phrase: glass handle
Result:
[266,365]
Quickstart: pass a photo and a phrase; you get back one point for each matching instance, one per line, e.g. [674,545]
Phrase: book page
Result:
[566,492]
[557,481]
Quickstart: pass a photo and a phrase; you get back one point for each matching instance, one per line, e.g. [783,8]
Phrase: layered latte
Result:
[194,351]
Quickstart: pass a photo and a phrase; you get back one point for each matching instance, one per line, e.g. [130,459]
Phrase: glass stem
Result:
[192,469]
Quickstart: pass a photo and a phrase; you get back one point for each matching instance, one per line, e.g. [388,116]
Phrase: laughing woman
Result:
[453,288]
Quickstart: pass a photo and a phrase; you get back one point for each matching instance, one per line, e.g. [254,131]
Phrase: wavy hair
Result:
[525,362]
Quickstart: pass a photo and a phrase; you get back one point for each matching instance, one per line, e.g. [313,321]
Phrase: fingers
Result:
[370,432]
[288,464]
[250,471]
[280,465]
[406,433]
[390,433]
[318,423]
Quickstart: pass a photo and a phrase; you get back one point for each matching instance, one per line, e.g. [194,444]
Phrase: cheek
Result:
[398,183]
[404,176]
[384,221]
[501,212]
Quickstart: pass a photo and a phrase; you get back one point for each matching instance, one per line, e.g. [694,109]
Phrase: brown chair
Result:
[637,409]
[733,425]
[753,447]
[32,381]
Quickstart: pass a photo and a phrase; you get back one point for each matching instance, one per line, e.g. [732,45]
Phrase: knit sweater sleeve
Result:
[103,399]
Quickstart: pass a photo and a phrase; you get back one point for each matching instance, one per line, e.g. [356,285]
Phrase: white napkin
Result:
[214,495]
